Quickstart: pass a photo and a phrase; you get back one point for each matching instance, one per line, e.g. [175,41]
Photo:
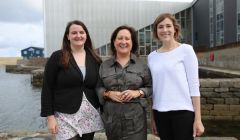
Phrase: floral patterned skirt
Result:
[86,120]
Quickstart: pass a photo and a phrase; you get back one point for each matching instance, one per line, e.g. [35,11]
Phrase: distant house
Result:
[31,52]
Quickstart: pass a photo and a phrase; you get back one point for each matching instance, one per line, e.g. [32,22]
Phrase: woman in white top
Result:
[176,96]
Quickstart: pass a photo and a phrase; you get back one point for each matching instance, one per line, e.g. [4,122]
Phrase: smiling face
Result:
[123,42]
[77,36]
[166,30]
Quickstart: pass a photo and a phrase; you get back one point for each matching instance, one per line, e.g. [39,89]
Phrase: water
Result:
[19,103]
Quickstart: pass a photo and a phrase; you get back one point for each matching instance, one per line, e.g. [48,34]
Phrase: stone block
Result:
[235,108]
[205,112]
[234,89]
[226,94]
[209,83]
[236,94]
[221,107]
[210,94]
[223,118]
[232,101]
[203,100]
[206,89]
[207,107]
[221,89]
[237,84]
[215,101]
[226,83]
[207,117]
[223,113]
[236,118]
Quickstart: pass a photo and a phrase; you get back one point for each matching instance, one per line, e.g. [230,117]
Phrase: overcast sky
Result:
[21,26]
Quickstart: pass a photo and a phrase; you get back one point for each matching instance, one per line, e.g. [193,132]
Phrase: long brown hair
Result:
[66,47]
[163,16]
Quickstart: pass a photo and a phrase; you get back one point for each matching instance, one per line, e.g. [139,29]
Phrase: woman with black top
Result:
[69,100]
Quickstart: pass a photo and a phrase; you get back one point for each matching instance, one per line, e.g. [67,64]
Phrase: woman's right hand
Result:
[52,124]
[153,127]
[115,96]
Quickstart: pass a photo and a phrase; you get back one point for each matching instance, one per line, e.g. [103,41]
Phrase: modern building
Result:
[205,24]
[216,22]
[31,52]
[102,17]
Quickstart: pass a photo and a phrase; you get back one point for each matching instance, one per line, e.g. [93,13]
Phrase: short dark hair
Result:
[163,16]
[133,37]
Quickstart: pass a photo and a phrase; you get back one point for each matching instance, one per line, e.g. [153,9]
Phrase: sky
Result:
[21,26]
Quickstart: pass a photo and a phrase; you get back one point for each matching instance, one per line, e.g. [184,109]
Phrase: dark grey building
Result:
[31,52]
[205,24]
[215,22]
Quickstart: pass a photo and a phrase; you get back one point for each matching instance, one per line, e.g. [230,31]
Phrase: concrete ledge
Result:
[20,69]
[98,136]
[213,72]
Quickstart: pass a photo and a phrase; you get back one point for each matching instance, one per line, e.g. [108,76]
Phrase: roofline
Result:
[33,47]
[193,2]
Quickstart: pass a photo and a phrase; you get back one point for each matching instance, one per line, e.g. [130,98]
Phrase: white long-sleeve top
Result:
[175,78]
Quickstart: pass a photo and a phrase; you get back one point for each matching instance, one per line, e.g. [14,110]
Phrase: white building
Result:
[101,17]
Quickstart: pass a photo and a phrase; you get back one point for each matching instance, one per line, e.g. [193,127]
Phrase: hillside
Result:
[9,60]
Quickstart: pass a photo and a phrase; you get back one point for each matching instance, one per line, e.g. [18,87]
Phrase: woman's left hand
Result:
[198,128]
[127,95]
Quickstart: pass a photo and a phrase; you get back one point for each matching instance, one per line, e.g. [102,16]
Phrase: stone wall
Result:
[38,61]
[220,99]
[37,77]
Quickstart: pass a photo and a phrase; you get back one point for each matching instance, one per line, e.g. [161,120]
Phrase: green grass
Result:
[222,128]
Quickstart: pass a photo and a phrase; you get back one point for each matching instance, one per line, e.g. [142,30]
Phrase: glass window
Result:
[141,30]
[177,16]
[239,18]
[142,50]
[154,43]
[148,36]
[98,51]
[109,52]
[219,22]
[148,49]
[103,50]
[148,28]
[154,48]
[141,39]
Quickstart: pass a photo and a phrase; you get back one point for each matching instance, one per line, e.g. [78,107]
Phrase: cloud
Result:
[22,11]
[19,36]
[21,26]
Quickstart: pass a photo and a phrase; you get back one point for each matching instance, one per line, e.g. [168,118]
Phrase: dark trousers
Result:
[88,136]
[174,125]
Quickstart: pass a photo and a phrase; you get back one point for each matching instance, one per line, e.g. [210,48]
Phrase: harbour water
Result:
[19,103]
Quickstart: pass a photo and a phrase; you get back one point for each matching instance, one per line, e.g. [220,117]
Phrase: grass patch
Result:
[9,60]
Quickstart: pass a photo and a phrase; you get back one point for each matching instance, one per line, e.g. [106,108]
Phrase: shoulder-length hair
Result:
[163,16]
[133,37]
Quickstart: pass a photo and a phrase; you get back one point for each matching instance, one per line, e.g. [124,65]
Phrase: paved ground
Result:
[98,136]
